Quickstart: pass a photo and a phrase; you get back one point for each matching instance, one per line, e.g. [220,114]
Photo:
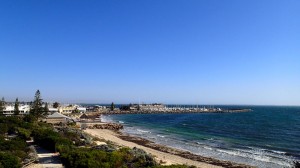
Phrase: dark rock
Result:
[110,126]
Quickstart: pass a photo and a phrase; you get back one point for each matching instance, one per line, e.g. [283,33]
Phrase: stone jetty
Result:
[176,111]
[109,126]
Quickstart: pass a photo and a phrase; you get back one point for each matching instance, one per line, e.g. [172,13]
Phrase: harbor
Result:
[157,108]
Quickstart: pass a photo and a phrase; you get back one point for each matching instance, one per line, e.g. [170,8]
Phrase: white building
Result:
[71,108]
[9,110]
[81,109]
[52,110]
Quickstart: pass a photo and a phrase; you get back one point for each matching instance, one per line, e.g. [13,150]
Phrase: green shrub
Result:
[125,157]
[24,133]
[49,139]
[3,128]
[8,160]
[11,145]
[175,166]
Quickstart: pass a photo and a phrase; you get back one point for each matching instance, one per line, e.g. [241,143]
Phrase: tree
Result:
[139,108]
[17,111]
[3,100]
[124,107]
[55,105]
[3,128]
[46,109]
[76,110]
[36,107]
[2,105]
[112,106]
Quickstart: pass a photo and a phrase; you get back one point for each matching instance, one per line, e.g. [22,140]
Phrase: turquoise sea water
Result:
[268,136]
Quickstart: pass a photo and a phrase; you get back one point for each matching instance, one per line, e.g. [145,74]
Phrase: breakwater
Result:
[98,125]
[175,110]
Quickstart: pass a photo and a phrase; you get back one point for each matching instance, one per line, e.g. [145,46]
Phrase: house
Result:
[52,110]
[81,109]
[96,108]
[23,109]
[85,117]
[71,108]
[57,118]
[66,109]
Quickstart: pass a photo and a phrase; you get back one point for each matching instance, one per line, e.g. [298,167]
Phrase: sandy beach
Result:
[167,158]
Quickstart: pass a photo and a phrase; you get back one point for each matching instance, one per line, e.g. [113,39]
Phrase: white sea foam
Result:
[254,156]
[260,155]
[206,147]
[162,136]
[279,152]
[210,148]
[106,118]
[143,131]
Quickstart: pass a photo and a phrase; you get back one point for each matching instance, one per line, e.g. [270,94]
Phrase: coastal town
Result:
[81,125]
[89,116]
[52,132]
[150,84]
[24,108]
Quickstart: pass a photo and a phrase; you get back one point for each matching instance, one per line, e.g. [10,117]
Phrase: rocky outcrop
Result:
[109,126]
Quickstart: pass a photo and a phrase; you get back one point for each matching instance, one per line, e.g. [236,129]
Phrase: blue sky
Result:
[170,51]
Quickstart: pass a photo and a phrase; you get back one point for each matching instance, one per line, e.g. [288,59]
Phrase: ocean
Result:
[268,136]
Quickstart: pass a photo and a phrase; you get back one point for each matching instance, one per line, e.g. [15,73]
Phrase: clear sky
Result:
[169,51]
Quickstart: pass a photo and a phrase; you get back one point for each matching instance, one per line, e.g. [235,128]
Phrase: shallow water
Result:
[268,136]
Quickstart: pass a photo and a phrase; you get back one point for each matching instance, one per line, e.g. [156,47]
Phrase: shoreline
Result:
[164,154]
[182,153]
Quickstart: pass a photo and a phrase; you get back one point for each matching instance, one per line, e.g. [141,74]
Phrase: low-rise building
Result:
[81,109]
[57,118]
[66,109]
[96,108]
[53,110]
[10,110]
[71,108]
[87,117]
